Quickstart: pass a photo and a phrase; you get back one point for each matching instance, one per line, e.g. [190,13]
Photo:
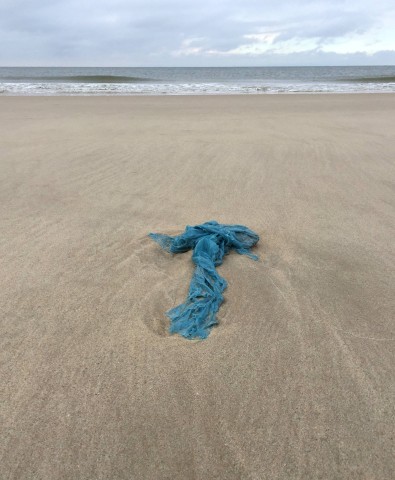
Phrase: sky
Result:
[196,33]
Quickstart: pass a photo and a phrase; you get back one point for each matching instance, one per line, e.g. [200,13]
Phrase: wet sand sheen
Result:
[296,381]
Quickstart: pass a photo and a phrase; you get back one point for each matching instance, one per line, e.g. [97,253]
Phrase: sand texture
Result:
[297,381]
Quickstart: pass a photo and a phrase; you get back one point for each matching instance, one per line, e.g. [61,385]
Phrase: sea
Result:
[195,80]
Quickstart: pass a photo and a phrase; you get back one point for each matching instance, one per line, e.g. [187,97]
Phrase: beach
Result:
[296,381]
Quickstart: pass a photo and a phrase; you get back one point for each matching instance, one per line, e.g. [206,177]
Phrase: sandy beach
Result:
[296,382]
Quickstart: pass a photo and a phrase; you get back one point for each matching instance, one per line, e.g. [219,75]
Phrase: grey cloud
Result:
[335,26]
[136,32]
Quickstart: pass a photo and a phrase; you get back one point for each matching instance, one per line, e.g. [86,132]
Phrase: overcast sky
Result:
[196,33]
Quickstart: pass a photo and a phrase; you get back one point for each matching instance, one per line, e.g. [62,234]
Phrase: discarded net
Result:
[210,242]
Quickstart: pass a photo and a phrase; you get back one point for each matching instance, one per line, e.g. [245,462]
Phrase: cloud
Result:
[185,32]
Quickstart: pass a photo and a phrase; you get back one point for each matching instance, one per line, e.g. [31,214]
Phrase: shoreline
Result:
[375,92]
[138,95]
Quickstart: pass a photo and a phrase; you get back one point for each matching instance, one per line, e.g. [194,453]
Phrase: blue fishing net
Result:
[210,242]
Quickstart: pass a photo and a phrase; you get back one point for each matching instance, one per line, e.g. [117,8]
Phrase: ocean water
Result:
[200,81]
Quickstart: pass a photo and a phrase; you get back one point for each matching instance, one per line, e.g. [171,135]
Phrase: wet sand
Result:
[296,382]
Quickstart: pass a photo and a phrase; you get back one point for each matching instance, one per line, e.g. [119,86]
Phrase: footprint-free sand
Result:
[296,382]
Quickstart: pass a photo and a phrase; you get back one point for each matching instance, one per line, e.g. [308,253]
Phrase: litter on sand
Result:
[210,242]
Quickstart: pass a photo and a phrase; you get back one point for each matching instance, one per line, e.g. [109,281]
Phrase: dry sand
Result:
[297,380]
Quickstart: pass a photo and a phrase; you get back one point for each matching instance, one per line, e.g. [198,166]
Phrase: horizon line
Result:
[197,66]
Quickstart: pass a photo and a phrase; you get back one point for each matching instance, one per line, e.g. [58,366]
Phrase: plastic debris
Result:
[210,242]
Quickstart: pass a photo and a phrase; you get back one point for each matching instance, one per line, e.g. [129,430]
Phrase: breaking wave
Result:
[380,79]
[82,79]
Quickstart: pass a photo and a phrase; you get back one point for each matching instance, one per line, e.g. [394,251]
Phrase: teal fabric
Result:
[210,242]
